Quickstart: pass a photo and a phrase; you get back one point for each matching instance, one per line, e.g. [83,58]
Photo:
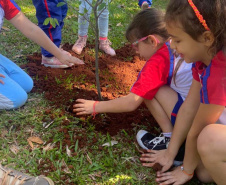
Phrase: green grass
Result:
[118,164]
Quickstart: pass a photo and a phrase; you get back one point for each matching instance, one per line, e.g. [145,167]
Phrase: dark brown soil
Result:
[117,74]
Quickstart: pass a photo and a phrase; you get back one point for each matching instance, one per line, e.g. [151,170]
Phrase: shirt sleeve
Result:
[153,75]
[214,85]
[10,8]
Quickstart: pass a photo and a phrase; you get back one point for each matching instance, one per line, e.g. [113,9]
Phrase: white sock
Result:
[167,134]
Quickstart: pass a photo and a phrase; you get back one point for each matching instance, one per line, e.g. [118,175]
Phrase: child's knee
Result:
[29,85]
[204,139]
[17,101]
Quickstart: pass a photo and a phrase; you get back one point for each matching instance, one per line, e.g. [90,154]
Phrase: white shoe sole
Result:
[140,134]
[56,66]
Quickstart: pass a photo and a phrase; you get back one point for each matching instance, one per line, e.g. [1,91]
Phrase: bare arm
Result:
[123,104]
[34,33]
[185,118]
[207,114]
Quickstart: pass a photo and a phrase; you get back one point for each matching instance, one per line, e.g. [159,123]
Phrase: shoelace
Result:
[81,41]
[157,140]
[106,42]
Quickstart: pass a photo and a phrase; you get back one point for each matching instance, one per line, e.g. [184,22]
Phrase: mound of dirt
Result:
[117,74]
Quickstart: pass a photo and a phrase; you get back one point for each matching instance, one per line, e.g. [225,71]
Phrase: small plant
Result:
[92,86]
[58,81]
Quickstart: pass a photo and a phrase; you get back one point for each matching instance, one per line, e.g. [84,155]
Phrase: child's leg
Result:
[46,9]
[162,106]
[103,22]
[13,93]
[212,150]
[82,20]
[64,10]
[16,74]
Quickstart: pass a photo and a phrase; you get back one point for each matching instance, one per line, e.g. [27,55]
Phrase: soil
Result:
[117,74]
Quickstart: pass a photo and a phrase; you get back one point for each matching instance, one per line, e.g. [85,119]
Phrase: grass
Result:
[91,164]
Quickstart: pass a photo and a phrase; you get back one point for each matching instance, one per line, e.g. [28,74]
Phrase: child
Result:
[149,37]
[45,9]
[14,82]
[197,29]
[83,20]
[144,4]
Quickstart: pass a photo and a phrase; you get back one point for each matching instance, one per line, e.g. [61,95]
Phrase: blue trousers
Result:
[48,8]
[140,2]
[17,83]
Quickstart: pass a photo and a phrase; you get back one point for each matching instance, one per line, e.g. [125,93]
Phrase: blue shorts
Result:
[17,83]
[176,109]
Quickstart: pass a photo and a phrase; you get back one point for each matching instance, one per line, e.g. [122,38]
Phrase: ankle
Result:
[103,38]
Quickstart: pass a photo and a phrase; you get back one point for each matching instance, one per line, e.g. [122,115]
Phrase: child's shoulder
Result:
[10,8]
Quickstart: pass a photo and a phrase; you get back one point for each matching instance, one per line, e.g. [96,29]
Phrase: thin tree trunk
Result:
[96,53]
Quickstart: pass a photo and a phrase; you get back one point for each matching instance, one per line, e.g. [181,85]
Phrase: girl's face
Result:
[146,46]
[189,49]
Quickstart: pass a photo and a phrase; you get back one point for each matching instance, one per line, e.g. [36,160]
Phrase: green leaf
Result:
[61,4]
[47,21]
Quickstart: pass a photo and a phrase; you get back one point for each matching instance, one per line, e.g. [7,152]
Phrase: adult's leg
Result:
[162,106]
[13,93]
[211,146]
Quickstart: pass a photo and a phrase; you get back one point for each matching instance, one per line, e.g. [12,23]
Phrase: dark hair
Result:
[213,12]
[147,22]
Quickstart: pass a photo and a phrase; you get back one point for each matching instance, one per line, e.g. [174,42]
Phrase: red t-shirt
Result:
[10,8]
[212,79]
[153,75]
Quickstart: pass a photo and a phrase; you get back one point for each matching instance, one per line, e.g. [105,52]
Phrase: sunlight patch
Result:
[119,178]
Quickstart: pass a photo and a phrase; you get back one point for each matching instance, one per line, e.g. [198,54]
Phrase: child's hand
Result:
[1,75]
[173,177]
[83,106]
[66,58]
[161,157]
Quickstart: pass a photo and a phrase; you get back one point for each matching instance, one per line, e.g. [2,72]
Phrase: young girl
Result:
[149,37]
[14,82]
[197,29]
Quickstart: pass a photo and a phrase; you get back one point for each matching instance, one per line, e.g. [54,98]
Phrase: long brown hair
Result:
[147,22]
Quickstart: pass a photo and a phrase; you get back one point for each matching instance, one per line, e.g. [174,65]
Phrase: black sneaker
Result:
[149,141]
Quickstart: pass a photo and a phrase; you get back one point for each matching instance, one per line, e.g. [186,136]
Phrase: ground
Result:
[117,74]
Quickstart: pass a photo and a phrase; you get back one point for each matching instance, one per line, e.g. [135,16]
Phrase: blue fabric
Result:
[176,109]
[16,85]
[140,2]
[171,64]
[48,8]
[204,79]
[84,24]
